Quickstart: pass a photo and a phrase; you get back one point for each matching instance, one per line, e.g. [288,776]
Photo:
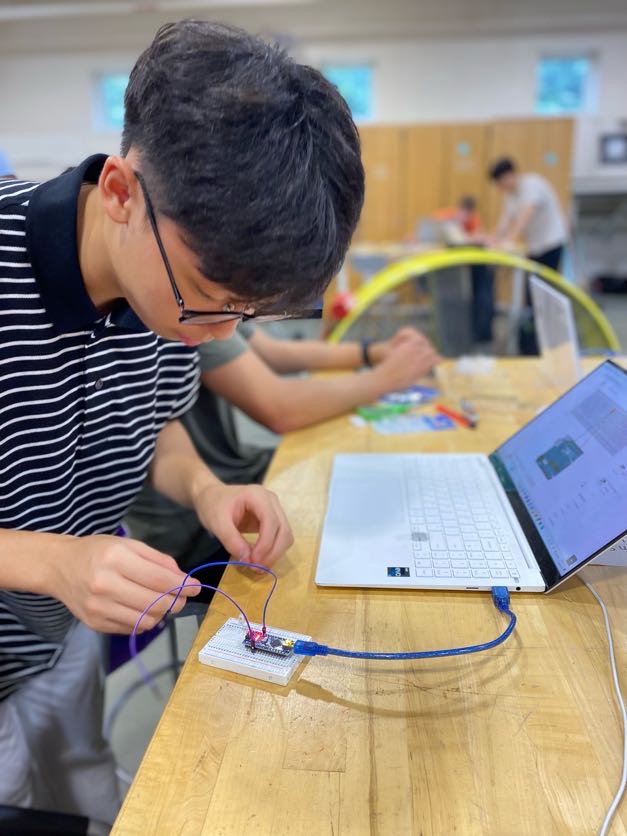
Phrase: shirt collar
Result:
[51,222]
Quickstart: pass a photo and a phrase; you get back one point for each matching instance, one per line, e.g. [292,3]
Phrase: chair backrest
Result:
[593,327]
[18,820]
[117,649]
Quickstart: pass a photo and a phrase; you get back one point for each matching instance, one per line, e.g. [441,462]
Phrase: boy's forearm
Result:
[27,559]
[521,223]
[177,471]
[307,402]
[285,356]
[503,227]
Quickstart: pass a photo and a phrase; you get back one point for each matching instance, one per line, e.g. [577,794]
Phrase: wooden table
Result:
[525,739]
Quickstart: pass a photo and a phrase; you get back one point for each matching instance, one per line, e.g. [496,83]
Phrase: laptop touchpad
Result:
[366,501]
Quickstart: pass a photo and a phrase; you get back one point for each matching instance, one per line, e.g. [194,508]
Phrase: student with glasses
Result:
[235,196]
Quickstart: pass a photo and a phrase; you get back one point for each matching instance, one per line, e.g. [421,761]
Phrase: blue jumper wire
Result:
[500,596]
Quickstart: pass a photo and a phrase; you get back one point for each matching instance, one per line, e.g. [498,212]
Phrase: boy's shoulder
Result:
[14,199]
[14,196]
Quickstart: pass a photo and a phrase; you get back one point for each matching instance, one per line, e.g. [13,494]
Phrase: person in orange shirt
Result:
[461,225]
[464,217]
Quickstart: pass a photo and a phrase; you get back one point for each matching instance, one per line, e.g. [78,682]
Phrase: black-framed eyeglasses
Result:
[227,314]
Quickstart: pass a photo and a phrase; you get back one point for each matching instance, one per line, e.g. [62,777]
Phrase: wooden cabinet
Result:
[423,149]
[383,217]
[412,170]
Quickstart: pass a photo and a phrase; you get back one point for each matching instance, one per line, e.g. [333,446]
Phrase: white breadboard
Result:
[226,650]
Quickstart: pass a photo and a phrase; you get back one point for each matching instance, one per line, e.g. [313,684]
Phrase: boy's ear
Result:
[119,189]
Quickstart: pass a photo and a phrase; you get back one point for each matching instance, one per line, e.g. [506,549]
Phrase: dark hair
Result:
[501,167]
[254,156]
[468,202]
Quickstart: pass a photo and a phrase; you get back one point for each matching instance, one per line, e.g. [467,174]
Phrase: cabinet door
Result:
[464,165]
[383,215]
[423,147]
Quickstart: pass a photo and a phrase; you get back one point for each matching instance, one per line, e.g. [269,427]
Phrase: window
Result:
[354,81]
[564,85]
[109,101]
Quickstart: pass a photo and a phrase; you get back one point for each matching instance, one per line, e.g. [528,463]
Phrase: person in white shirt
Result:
[531,212]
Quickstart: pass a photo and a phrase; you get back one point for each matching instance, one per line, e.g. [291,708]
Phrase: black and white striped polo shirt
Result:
[82,399]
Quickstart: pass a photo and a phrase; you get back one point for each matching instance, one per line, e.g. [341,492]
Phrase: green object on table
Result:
[375,413]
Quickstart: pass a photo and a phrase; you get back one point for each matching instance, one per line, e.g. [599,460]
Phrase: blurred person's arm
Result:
[517,226]
[286,356]
[503,228]
[454,233]
[529,198]
[285,404]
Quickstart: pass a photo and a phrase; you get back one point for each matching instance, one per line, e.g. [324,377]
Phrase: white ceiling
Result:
[122,24]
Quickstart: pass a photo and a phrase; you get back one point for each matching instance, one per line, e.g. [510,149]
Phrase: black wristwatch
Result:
[365,355]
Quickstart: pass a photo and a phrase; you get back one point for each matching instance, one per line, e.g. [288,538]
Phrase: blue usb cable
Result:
[500,596]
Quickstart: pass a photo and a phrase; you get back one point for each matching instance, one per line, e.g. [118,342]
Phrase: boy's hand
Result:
[379,351]
[107,582]
[408,334]
[230,510]
[405,363]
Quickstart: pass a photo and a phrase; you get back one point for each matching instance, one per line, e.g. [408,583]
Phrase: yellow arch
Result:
[593,326]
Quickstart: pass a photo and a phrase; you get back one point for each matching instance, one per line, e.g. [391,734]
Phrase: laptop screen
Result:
[569,469]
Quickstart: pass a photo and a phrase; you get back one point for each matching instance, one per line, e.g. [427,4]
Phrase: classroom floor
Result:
[137,719]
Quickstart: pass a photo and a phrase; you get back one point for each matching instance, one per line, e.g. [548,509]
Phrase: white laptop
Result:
[527,516]
[557,334]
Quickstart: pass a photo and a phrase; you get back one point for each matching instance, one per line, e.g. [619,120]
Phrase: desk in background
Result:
[524,739]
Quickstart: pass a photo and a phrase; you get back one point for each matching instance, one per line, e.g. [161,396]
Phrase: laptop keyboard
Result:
[458,528]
